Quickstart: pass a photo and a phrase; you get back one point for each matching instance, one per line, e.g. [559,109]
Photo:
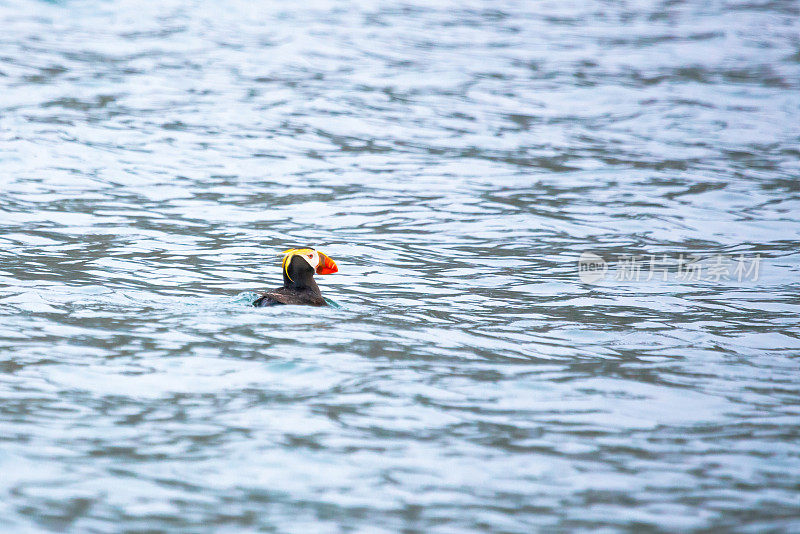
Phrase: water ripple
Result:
[456,160]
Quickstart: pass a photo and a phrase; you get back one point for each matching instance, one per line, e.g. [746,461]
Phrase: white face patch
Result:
[312,258]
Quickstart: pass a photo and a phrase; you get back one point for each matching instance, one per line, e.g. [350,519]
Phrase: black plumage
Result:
[299,287]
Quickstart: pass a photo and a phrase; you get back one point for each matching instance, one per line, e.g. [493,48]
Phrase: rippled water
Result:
[455,159]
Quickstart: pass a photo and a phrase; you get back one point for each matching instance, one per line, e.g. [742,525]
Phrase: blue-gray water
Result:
[456,159]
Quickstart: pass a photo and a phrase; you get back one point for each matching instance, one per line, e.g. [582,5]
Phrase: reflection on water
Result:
[456,160]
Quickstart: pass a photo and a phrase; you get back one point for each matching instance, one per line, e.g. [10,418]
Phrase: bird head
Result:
[319,261]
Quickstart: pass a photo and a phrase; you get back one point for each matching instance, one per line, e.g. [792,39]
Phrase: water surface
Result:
[455,159]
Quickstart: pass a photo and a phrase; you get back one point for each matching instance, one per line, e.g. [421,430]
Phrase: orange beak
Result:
[326,265]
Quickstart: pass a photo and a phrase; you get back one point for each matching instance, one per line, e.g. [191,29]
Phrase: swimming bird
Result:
[299,287]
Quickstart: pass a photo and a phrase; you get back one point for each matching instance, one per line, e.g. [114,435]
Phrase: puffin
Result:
[299,287]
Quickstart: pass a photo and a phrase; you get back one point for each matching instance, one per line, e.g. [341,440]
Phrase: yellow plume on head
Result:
[287,257]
